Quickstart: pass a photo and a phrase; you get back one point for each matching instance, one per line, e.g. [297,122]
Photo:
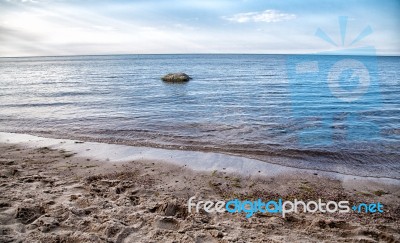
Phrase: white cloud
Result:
[268,16]
[23,1]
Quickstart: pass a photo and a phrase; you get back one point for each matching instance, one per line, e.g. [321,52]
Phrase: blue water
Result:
[258,106]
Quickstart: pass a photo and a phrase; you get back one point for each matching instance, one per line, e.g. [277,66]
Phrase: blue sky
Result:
[62,27]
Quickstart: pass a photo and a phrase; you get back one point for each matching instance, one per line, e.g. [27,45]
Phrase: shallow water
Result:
[259,106]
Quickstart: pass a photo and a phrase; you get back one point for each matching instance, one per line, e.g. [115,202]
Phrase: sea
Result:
[322,112]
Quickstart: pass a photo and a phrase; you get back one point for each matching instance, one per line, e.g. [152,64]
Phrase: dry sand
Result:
[50,195]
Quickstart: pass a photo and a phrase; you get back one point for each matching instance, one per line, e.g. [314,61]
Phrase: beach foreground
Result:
[53,195]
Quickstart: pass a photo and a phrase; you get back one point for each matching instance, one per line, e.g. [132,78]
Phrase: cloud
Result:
[23,1]
[268,16]
[61,27]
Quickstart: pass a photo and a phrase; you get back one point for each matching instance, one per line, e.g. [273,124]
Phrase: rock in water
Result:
[176,77]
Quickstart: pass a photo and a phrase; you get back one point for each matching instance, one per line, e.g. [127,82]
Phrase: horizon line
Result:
[144,54]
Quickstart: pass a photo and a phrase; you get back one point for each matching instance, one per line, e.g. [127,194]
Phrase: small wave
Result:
[37,104]
[62,94]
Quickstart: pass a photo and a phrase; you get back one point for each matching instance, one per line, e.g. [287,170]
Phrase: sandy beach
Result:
[209,121]
[55,195]
[100,148]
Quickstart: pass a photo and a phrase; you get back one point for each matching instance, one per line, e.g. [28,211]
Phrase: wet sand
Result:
[55,195]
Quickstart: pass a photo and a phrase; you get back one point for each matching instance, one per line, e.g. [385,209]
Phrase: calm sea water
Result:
[258,106]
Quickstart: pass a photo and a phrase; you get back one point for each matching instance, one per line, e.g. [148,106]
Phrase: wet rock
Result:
[176,77]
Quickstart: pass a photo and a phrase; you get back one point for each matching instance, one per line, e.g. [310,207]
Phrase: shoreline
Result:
[50,194]
[196,160]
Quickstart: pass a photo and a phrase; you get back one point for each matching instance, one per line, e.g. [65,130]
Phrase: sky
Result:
[97,27]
